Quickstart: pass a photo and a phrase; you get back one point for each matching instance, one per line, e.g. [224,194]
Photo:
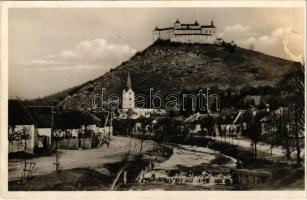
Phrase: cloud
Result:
[275,43]
[87,55]
[237,28]
[45,62]
[292,56]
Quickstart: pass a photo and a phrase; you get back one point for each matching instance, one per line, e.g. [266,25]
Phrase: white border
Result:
[121,194]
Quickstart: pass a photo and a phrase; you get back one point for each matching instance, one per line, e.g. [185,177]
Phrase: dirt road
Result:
[91,158]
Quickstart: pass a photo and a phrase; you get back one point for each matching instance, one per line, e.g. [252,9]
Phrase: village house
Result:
[238,124]
[200,124]
[230,125]
[268,121]
[104,127]
[44,126]
[22,133]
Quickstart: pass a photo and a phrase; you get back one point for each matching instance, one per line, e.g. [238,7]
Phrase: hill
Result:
[172,68]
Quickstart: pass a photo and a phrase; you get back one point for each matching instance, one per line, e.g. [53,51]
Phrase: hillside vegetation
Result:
[172,68]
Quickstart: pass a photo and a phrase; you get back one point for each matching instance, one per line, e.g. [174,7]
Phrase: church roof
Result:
[129,85]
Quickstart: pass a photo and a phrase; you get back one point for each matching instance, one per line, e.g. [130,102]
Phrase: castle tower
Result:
[177,24]
[128,95]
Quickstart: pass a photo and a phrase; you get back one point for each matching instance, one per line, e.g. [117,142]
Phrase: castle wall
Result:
[203,39]
[163,34]
[187,31]
[208,30]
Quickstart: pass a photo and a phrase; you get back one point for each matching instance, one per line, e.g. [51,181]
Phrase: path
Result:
[90,158]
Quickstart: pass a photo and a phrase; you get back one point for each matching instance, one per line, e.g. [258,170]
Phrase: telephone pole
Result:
[56,163]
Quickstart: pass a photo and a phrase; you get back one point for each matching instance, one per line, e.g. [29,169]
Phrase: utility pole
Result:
[253,131]
[54,137]
[25,150]
[110,126]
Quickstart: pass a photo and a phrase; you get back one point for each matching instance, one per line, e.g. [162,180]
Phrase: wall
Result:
[188,31]
[163,34]
[105,131]
[45,132]
[68,143]
[208,30]
[128,99]
[193,39]
[19,145]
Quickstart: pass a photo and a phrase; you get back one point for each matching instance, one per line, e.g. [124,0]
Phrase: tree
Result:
[251,46]
[145,122]
[297,106]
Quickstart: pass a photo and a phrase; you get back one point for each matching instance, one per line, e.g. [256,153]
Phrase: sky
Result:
[52,49]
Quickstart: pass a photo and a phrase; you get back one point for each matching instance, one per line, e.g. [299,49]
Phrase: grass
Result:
[66,180]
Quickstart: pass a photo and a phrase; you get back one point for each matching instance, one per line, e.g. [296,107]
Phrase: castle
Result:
[187,33]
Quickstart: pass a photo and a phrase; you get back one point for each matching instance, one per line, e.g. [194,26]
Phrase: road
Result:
[263,150]
[89,158]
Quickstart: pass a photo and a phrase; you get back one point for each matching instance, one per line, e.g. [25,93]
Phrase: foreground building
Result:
[22,133]
[35,128]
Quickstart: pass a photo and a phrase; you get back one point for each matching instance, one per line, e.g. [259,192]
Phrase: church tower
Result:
[128,95]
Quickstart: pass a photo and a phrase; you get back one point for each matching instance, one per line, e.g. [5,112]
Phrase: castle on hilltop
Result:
[187,33]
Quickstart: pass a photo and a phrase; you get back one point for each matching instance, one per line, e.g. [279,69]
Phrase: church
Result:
[187,33]
[128,95]
[128,102]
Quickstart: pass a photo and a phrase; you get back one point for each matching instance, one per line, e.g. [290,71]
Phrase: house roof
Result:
[104,118]
[271,113]
[18,114]
[42,116]
[81,117]
[63,119]
[197,118]
[229,119]
[260,114]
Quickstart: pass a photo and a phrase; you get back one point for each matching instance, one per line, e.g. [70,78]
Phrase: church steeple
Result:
[129,85]
[128,95]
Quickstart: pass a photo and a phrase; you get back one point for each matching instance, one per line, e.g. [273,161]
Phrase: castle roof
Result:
[193,26]
[163,29]
[189,28]
[208,26]
[192,34]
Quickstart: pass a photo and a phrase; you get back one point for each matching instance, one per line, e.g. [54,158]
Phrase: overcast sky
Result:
[53,49]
